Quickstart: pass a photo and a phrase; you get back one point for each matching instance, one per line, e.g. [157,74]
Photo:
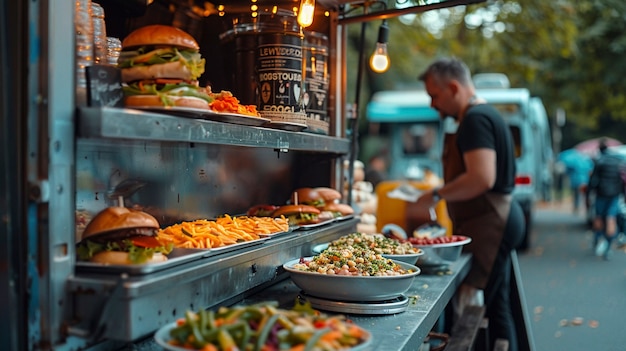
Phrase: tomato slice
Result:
[145,241]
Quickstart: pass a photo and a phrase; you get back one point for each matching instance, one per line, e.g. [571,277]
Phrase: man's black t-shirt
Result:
[483,127]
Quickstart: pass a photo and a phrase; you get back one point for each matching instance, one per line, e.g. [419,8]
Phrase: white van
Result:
[415,132]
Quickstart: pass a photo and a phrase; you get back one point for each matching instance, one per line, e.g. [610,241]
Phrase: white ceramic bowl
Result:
[441,254]
[352,288]
[162,336]
[407,258]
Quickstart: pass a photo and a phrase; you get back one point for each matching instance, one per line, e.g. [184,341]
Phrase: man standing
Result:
[606,182]
[479,175]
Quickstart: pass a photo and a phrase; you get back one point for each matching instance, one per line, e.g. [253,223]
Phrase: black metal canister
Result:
[315,100]
[268,54]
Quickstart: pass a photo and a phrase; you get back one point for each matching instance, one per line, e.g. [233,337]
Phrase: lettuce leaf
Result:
[86,249]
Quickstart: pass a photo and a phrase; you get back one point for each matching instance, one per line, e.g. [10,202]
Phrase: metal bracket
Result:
[39,191]
[283,147]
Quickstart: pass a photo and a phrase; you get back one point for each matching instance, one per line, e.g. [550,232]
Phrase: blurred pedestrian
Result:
[607,184]
[578,167]
[479,176]
[559,177]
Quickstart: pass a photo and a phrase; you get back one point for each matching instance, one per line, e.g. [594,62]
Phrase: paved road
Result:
[576,301]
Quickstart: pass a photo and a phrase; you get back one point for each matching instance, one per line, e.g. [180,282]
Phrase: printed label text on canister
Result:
[316,85]
[279,65]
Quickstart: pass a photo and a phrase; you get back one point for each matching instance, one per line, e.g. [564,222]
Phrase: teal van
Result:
[415,132]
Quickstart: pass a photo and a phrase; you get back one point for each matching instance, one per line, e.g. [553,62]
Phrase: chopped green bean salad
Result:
[265,327]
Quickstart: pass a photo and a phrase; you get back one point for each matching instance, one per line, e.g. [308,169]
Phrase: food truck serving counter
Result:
[406,330]
[428,296]
[74,148]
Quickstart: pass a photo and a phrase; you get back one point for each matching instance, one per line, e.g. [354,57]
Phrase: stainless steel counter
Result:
[429,295]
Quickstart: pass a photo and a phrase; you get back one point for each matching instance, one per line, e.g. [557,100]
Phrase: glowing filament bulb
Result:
[379,61]
[306,13]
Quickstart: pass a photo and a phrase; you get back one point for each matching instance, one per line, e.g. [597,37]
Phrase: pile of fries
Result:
[226,230]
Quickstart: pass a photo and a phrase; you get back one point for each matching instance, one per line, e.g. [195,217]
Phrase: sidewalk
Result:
[575,299]
[564,205]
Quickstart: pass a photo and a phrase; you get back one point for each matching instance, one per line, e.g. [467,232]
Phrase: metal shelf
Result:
[120,123]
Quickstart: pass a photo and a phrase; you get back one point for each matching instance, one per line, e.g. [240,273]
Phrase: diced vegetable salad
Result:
[375,242]
[265,327]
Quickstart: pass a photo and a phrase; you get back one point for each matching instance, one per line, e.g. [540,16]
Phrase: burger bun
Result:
[328,194]
[295,209]
[159,35]
[155,101]
[306,195]
[344,209]
[121,258]
[118,218]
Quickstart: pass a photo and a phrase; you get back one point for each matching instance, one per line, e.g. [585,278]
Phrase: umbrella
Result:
[572,157]
[590,147]
[578,166]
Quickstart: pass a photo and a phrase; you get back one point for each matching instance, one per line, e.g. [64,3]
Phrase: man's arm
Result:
[479,177]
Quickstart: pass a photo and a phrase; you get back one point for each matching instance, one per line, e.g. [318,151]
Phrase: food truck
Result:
[71,149]
[417,132]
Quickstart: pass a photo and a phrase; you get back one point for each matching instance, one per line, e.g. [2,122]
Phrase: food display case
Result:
[64,160]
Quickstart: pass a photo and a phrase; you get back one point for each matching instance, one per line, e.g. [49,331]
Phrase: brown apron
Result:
[482,218]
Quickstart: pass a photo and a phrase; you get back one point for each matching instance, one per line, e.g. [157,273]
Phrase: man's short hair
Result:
[446,69]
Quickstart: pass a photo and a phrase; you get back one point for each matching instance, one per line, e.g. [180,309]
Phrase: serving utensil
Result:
[431,229]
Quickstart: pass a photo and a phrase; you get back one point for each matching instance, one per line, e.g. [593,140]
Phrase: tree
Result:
[568,52]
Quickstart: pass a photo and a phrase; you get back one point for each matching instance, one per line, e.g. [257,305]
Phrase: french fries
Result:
[227,230]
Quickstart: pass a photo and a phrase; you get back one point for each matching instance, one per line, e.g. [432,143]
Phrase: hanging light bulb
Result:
[306,13]
[379,61]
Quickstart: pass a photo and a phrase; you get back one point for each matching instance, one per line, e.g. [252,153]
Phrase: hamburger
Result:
[160,66]
[308,196]
[338,209]
[329,195]
[118,235]
[262,210]
[298,214]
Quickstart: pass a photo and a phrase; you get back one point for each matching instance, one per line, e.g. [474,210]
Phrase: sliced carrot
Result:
[331,335]
[168,81]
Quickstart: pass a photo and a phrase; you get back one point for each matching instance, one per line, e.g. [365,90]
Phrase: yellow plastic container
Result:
[399,212]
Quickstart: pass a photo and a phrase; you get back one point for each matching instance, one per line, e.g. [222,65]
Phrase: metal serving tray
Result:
[177,257]
[230,248]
